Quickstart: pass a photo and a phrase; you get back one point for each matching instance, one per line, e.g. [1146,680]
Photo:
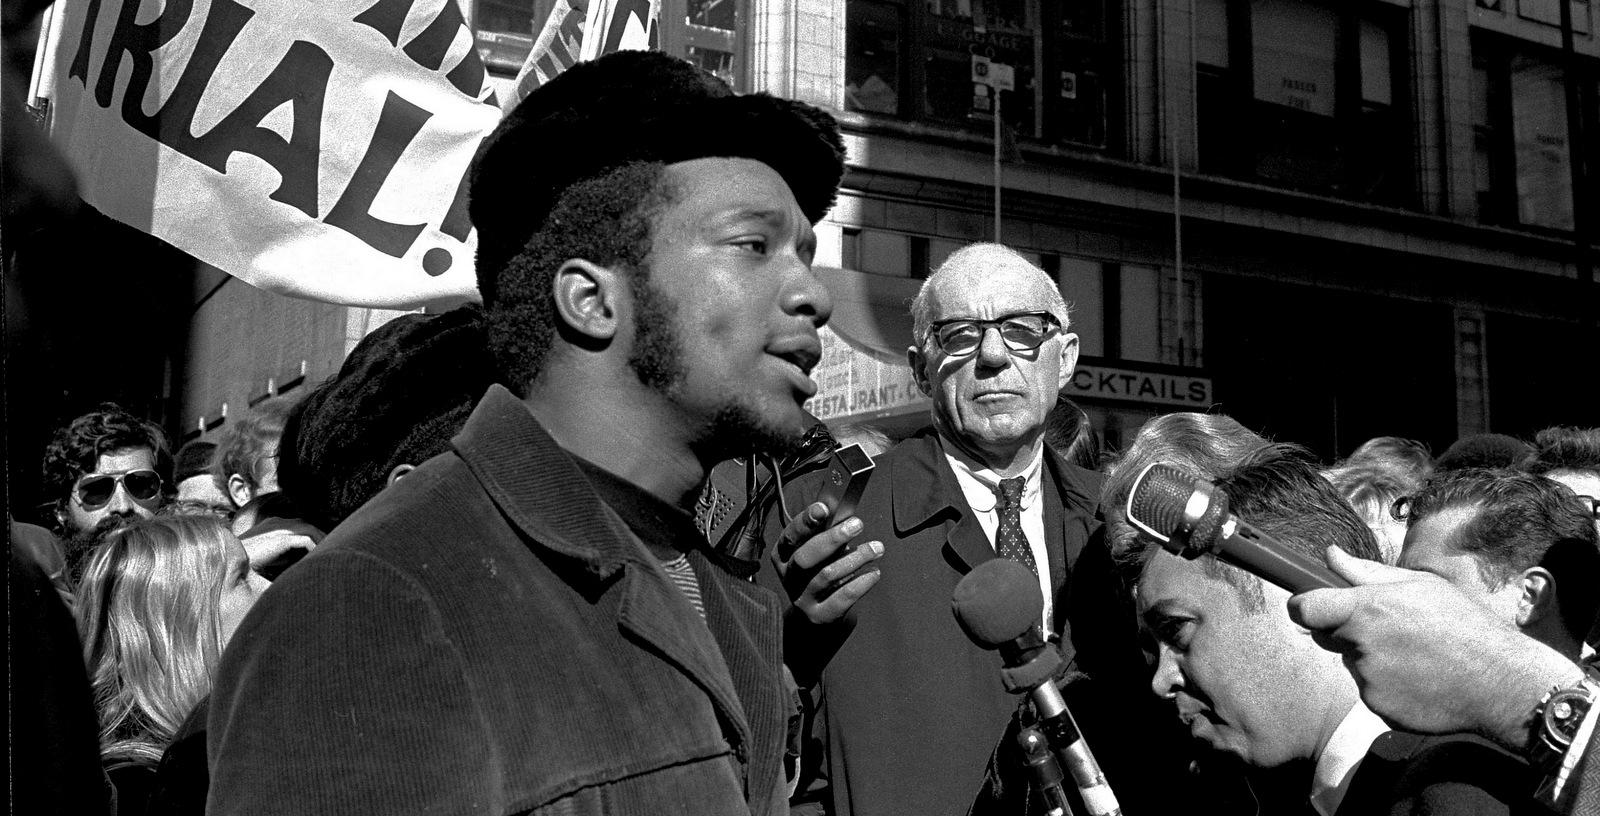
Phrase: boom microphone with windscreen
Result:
[1190,518]
[998,605]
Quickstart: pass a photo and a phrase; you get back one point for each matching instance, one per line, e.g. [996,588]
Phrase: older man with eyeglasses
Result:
[911,710]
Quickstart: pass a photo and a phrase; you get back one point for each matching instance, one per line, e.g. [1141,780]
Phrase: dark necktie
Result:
[1009,540]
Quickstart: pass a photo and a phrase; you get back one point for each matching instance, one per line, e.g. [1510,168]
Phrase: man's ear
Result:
[586,297]
[1536,596]
[239,490]
[1069,360]
[918,361]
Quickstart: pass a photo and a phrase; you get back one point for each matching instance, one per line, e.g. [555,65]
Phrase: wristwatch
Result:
[1556,720]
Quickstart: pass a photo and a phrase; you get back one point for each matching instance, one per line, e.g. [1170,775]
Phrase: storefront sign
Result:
[316,148]
[1107,383]
[857,383]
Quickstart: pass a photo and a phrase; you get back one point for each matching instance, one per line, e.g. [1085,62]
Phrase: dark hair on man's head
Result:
[607,220]
[1278,490]
[1067,429]
[1486,450]
[193,459]
[1565,448]
[77,448]
[1395,454]
[249,447]
[1522,521]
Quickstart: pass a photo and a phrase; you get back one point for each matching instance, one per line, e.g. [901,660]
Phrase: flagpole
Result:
[996,90]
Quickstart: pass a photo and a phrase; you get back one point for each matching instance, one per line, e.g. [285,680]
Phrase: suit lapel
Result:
[926,492]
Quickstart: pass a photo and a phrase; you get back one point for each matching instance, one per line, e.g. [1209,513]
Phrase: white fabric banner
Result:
[315,148]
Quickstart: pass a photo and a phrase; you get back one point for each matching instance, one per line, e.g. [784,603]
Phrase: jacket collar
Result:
[540,488]
[545,495]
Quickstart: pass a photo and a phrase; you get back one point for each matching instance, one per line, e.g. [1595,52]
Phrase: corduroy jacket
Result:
[487,637]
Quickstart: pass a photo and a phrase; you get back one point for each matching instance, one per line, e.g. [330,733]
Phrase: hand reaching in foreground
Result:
[1427,657]
[274,544]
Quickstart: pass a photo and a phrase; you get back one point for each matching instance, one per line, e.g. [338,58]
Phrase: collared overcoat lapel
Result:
[559,516]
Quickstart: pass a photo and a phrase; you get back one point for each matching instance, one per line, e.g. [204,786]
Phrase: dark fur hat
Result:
[400,396]
[637,106]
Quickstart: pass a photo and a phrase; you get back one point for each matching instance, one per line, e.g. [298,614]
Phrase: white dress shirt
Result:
[1342,756]
[978,483]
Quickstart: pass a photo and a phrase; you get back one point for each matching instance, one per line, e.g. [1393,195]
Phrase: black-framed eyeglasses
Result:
[95,490]
[1020,332]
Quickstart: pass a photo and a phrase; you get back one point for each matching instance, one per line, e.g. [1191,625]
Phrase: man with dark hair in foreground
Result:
[1251,683]
[531,622]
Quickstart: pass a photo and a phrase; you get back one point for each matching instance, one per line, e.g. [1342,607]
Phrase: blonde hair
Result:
[149,614]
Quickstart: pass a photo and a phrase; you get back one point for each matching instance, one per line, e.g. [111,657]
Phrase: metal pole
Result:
[996,89]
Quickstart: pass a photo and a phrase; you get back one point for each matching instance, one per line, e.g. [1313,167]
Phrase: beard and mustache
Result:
[78,544]
[736,428]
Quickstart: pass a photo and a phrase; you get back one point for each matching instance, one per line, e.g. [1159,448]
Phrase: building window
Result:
[881,252]
[1307,95]
[912,59]
[1549,13]
[1181,331]
[1522,159]
[705,32]
[873,69]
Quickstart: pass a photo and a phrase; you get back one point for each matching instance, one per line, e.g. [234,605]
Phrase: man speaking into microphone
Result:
[1251,683]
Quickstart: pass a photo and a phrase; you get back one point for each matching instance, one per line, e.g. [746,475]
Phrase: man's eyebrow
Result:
[767,214]
[1161,610]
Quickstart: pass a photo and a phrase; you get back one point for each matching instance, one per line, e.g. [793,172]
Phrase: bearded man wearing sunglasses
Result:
[99,472]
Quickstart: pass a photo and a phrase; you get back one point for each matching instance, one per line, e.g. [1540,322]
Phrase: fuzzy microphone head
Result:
[996,602]
[1159,500]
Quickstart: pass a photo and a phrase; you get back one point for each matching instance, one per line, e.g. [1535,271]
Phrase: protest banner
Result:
[315,148]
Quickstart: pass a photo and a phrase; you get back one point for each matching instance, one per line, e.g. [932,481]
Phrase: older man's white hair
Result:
[982,256]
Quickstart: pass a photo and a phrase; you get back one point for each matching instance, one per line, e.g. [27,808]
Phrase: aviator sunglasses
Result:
[1020,332]
[95,492]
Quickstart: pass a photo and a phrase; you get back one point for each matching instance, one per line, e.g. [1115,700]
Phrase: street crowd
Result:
[560,551]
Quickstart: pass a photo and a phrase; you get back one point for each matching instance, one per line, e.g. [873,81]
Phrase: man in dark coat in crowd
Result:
[911,710]
[531,621]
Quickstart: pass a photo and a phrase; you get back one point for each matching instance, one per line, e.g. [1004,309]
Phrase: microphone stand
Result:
[1046,771]
[1030,667]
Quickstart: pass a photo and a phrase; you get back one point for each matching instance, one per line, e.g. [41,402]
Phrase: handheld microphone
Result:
[998,605]
[1190,518]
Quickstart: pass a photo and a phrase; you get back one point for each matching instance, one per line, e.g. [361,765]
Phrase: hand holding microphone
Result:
[1190,518]
[998,605]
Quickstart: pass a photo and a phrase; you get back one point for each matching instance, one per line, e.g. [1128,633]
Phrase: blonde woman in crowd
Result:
[158,601]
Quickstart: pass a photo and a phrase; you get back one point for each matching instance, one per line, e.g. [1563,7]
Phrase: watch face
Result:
[1564,712]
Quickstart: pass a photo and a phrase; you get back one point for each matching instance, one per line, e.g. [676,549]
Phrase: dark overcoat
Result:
[487,637]
[1404,774]
[910,708]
